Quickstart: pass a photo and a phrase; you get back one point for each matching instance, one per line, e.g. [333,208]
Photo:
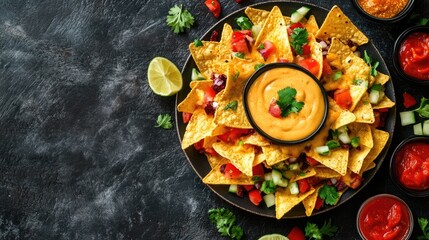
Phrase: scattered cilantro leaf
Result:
[261,46]
[236,75]
[244,23]
[198,43]
[287,101]
[240,55]
[329,194]
[423,109]
[423,21]
[179,19]
[312,231]
[258,66]
[373,65]
[377,87]
[231,105]
[225,223]
[299,39]
[164,121]
[423,223]
[268,187]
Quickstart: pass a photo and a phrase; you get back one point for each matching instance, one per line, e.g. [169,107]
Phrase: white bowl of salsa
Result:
[285,103]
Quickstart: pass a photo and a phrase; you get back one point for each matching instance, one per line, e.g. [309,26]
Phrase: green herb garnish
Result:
[198,43]
[299,39]
[423,109]
[244,23]
[337,75]
[423,223]
[329,194]
[287,101]
[258,66]
[355,142]
[164,121]
[240,55]
[268,187]
[312,231]
[332,144]
[423,21]
[373,65]
[179,19]
[231,105]
[224,220]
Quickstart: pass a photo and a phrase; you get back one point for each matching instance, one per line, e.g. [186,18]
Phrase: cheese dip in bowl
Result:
[285,103]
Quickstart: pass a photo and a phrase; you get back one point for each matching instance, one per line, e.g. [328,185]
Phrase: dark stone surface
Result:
[80,157]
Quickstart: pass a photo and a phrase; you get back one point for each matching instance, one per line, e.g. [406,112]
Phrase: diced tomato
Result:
[209,95]
[255,196]
[383,110]
[211,151]
[311,161]
[231,172]
[239,41]
[258,170]
[269,48]
[240,46]
[303,185]
[327,69]
[293,26]
[394,216]
[355,180]
[319,203]
[296,234]
[214,7]
[233,134]
[343,98]
[275,110]
[392,234]
[248,187]
[283,60]
[310,64]
[239,35]
[199,145]
[306,50]
[409,100]
[186,117]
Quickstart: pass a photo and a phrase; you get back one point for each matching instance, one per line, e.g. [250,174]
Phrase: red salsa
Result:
[383,8]
[384,217]
[412,166]
[414,55]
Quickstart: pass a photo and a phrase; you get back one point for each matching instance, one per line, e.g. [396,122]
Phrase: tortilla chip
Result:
[384,103]
[325,172]
[256,139]
[380,139]
[274,30]
[216,177]
[309,172]
[259,158]
[206,56]
[345,116]
[311,25]
[200,126]
[370,166]
[208,141]
[363,131]
[310,201]
[316,53]
[357,93]
[357,157]
[338,25]
[242,156]
[381,78]
[363,110]
[214,160]
[275,153]
[336,160]
[195,97]
[259,16]
[225,43]
[286,201]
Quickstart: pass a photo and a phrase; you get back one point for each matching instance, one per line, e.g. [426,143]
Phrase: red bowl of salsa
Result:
[385,216]
[411,55]
[409,166]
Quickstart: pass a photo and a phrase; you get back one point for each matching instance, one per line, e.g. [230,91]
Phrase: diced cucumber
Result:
[426,127]
[355,142]
[332,144]
[196,76]
[294,166]
[293,188]
[269,199]
[283,182]
[233,188]
[407,118]
[277,176]
[374,96]
[344,137]
[418,129]
[256,29]
[322,150]
[268,176]
[297,15]
[343,129]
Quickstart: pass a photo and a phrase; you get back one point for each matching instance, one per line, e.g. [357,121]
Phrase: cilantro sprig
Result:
[312,231]
[287,101]
[423,223]
[225,223]
[231,106]
[299,39]
[373,65]
[164,121]
[423,109]
[179,19]
[329,194]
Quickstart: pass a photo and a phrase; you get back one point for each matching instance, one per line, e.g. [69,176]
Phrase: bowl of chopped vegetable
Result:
[411,55]
[390,11]
[409,166]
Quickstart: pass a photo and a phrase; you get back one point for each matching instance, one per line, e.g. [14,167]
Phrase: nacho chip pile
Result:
[218,126]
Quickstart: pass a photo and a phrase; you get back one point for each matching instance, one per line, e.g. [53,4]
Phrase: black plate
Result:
[202,167]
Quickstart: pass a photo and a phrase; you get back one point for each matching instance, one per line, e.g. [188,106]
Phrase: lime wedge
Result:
[273,236]
[163,76]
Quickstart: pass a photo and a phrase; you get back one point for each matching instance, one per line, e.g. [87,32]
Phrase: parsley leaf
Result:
[423,223]
[313,232]
[287,101]
[299,39]
[231,105]
[179,19]
[368,60]
[329,194]
[164,121]
[423,109]
[225,223]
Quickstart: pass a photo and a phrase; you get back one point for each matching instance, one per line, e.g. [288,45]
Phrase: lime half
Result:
[273,236]
[164,77]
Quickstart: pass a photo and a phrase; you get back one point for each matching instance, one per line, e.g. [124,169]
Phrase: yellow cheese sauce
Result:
[295,126]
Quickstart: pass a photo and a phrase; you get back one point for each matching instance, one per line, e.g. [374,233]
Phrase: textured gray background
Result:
[80,157]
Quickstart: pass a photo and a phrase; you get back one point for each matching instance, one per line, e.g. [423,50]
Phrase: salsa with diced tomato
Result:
[414,55]
[383,8]
[384,217]
[412,166]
